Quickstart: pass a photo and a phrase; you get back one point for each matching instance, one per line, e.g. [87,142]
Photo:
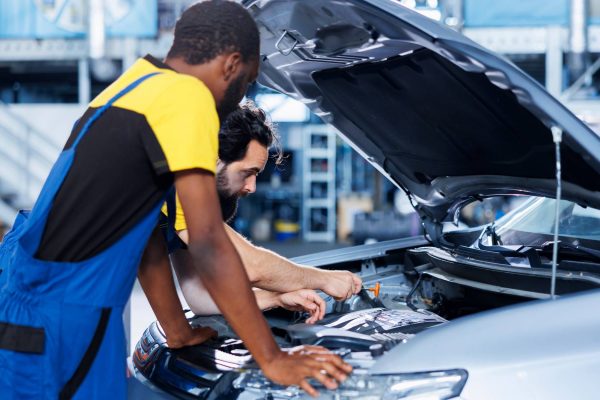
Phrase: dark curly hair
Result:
[210,28]
[247,123]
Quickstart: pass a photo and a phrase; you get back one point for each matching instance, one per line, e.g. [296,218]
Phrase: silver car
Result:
[504,311]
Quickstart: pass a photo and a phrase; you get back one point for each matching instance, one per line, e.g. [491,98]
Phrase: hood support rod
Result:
[557,139]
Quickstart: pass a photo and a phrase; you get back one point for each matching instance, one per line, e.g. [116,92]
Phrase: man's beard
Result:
[228,201]
[230,99]
[229,206]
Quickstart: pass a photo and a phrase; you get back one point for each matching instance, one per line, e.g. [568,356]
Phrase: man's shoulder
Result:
[182,88]
[167,87]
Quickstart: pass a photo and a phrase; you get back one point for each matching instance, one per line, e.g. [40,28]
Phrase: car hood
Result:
[440,116]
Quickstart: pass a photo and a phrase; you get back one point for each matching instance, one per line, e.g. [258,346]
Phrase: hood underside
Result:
[440,116]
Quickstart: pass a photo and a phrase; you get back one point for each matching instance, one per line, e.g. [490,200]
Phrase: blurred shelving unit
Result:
[318,194]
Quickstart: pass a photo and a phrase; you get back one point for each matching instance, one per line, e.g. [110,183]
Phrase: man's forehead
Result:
[256,156]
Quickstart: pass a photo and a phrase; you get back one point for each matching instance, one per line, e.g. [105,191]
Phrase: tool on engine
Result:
[371,301]
[375,289]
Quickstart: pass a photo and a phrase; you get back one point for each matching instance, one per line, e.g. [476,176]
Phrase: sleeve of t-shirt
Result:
[180,223]
[185,122]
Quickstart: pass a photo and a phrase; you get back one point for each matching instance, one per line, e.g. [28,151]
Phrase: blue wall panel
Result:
[491,13]
[45,19]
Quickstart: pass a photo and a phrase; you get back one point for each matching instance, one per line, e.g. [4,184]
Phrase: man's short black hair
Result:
[243,125]
[214,27]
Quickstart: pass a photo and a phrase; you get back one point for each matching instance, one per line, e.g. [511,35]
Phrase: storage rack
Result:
[318,194]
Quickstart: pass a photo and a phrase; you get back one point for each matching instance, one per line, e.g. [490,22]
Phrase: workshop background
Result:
[56,55]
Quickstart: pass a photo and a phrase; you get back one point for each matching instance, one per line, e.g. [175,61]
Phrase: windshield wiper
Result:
[547,247]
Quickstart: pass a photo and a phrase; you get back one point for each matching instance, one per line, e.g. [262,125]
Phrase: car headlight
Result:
[435,385]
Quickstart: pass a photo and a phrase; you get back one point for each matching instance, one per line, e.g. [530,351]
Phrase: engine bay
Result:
[406,292]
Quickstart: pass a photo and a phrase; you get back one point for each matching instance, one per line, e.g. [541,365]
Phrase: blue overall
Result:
[61,327]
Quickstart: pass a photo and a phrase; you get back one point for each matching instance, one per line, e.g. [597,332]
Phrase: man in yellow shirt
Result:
[227,69]
[244,141]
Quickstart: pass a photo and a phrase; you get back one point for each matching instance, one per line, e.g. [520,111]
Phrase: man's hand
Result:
[303,300]
[190,337]
[341,285]
[305,362]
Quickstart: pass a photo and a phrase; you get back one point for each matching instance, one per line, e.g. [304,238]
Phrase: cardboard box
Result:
[347,207]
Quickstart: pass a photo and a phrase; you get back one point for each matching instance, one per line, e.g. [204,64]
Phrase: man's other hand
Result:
[341,285]
[191,337]
[303,300]
[306,362]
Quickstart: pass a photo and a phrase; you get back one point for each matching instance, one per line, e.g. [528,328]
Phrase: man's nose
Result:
[250,185]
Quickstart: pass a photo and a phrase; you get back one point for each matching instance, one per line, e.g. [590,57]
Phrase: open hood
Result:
[441,117]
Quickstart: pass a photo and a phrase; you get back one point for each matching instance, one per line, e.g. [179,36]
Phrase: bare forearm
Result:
[202,304]
[196,295]
[270,271]
[266,299]
[156,279]
[194,292]
[224,277]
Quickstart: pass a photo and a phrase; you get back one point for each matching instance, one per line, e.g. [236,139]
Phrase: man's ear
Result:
[232,65]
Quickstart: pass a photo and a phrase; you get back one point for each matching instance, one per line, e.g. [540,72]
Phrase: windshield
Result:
[532,224]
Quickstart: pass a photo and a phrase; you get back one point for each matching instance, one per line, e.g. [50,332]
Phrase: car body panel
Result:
[516,349]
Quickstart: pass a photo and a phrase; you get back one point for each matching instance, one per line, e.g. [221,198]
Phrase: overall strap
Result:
[171,210]
[106,106]
[31,234]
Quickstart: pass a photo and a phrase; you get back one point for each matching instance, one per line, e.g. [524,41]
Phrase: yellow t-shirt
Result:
[180,223]
[126,160]
[179,109]
[191,139]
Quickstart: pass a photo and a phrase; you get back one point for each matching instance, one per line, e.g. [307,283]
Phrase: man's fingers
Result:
[313,309]
[314,297]
[323,372]
[314,316]
[319,304]
[357,283]
[334,371]
[307,362]
[327,373]
[308,305]
[334,360]
[304,385]
[311,349]
[202,334]
[198,335]
[321,376]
